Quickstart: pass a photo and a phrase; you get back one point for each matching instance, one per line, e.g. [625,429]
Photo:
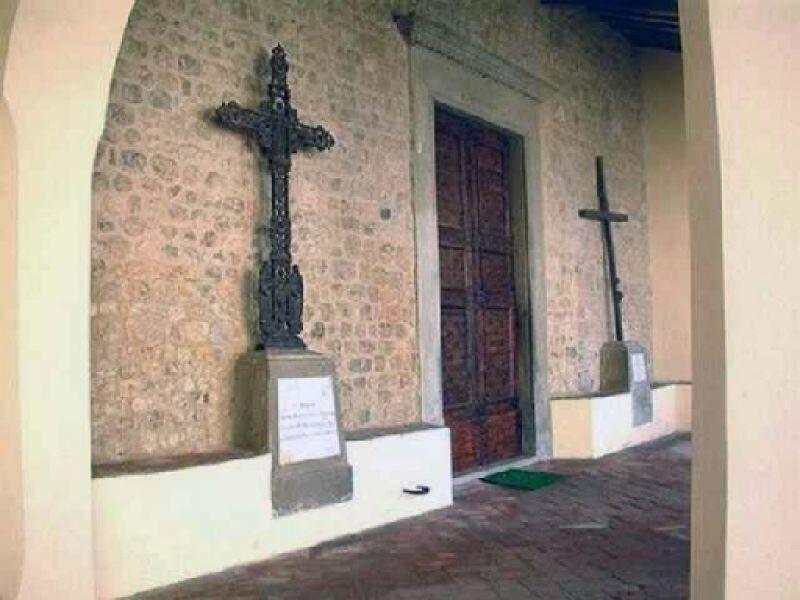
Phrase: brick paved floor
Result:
[616,528]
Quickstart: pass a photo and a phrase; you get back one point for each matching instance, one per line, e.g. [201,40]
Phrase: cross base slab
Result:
[311,484]
[624,366]
[288,341]
[286,404]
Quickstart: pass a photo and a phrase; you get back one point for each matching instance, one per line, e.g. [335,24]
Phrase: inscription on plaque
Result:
[306,419]
[639,368]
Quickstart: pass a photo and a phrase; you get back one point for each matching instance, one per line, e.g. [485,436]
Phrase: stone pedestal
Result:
[286,403]
[624,366]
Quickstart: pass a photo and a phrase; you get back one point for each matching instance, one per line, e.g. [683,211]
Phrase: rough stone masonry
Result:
[177,222]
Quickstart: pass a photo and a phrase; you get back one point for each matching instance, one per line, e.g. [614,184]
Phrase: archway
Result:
[11,552]
[56,80]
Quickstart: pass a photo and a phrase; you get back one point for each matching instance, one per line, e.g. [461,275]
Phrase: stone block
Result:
[251,403]
[286,403]
[311,484]
[625,366]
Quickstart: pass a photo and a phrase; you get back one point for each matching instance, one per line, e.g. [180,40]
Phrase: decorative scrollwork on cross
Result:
[279,134]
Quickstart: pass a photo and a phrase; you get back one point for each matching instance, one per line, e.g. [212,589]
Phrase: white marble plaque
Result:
[639,367]
[306,419]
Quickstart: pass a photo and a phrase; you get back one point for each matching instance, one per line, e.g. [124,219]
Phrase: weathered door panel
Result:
[477,292]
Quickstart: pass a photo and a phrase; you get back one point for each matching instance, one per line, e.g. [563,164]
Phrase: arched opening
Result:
[56,78]
[56,86]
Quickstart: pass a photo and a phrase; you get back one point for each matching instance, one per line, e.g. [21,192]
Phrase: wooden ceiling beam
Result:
[562,2]
[643,27]
[636,17]
[664,7]
[646,23]
[653,40]
[633,11]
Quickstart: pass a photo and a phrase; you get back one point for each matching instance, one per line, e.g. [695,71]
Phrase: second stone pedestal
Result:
[286,403]
[624,367]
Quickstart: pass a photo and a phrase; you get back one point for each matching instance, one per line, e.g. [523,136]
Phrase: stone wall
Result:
[177,218]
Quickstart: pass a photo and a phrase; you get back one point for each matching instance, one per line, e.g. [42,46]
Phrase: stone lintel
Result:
[419,31]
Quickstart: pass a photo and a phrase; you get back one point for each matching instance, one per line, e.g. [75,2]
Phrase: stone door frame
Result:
[449,70]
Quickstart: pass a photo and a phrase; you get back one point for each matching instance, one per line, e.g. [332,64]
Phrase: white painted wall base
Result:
[158,528]
[593,426]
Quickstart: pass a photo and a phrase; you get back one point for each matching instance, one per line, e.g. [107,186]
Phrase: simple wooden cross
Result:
[279,134]
[606,217]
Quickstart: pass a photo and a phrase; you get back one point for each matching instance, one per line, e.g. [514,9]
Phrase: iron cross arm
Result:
[248,121]
[602,215]
[265,128]
[305,137]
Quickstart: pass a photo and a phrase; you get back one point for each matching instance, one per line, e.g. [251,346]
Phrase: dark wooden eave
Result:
[644,23]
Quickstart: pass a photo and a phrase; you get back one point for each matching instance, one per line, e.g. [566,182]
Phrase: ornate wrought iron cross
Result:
[279,134]
[606,217]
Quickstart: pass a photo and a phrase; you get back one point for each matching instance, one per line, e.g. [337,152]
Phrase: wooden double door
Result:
[476,262]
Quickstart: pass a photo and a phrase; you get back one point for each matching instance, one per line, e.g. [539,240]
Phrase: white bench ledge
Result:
[595,424]
[153,528]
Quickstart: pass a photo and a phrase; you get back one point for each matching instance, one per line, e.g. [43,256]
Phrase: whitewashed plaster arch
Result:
[11,550]
[56,80]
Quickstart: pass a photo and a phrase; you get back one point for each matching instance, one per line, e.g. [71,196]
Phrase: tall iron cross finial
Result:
[606,217]
[279,134]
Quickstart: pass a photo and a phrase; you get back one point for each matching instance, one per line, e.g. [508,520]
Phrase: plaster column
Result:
[11,532]
[55,85]
[742,92]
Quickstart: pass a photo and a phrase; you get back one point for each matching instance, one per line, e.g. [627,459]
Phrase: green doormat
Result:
[522,480]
